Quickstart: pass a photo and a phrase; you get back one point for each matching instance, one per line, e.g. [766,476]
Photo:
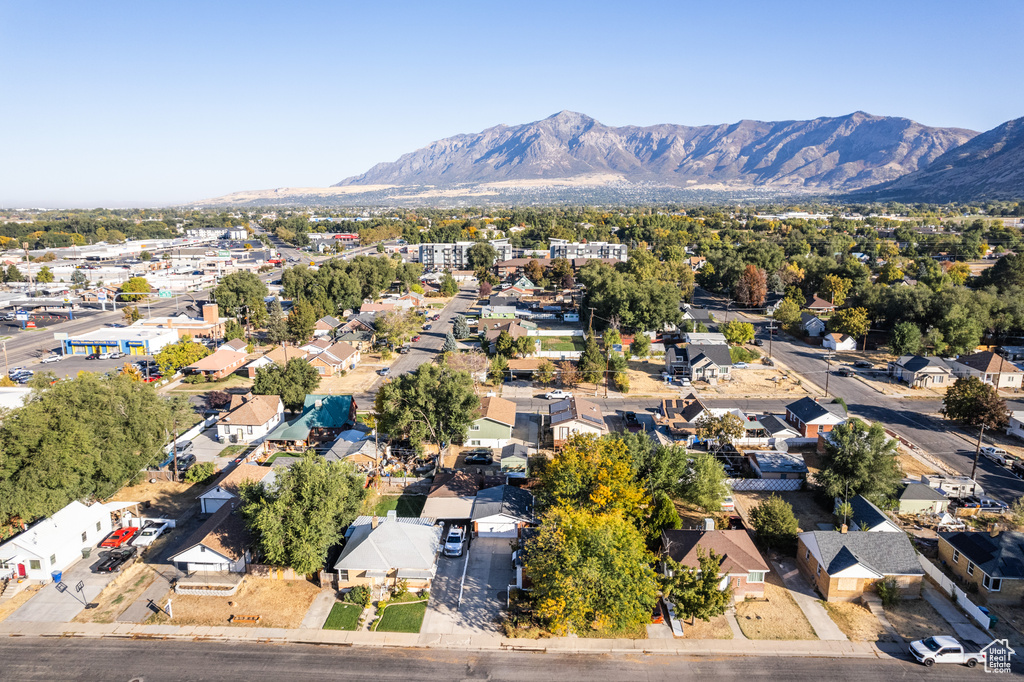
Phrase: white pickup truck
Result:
[943,649]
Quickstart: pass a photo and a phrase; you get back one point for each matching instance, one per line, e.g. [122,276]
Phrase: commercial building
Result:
[209,326]
[128,340]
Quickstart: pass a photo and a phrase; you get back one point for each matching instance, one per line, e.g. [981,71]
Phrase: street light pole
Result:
[828,372]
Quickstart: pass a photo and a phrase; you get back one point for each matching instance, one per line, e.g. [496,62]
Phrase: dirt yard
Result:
[758,383]
[914,467]
[119,594]
[645,378]
[806,509]
[358,380]
[880,381]
[914,618]
[856,622]
[168,499]
[1010,625]
[278,603]
[716,628]
[693,517]
[777,618]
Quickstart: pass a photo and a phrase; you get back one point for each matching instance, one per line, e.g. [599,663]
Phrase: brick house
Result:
[810,417]
[843,566]
[742,567]
[992,561]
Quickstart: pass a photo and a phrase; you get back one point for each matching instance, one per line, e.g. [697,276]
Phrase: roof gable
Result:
[883,553]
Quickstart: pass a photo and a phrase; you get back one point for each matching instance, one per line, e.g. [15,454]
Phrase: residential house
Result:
[499,312]
[918,498]
[361,339]
[773,464]
[227,488]
[326,325]
[502,511]
[361,322]
[575,415]
[819,305]
[493,426]
[382,551]
[451,496]
[282,354]
[515,461]
[235,344]
[54,543]
[218,364]
[416,300]
[323,418]
[492,330]
[810,417]
[250,418]
[812,325]
[698,316]
[338,358]
[360,449]
[1016,425]
[707,362]
[377,307]
[742,568]
[219,545]
[991,368]
[843,566]
[994,562]
[865,516]
[777,429]
[681,416]
[675,362]
[772,302]
[921,371]
[706,339]
[839,342]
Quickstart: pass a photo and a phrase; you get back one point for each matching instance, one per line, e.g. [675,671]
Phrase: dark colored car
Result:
[758,342]
[632,422]
[480,459]
[117,559]
[185,461]
[863,364]
[426,327]
[92,356]
[845,372]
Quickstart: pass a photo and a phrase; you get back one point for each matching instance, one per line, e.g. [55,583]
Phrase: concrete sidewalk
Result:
[470,642]
[960,623]
[318,611]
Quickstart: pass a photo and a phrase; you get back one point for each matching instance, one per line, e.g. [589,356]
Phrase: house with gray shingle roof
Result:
[500,512]
[845,565]
[575,415]
[867,517]
[809,417]
[918,498]
[921,371]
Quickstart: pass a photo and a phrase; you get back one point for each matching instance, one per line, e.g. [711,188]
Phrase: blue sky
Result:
[151,103]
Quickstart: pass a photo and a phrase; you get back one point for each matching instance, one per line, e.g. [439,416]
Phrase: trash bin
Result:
[86,551]
[56,575]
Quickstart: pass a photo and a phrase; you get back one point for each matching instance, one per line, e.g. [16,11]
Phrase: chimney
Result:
[709,524]
[843,529]
[993,530]
[374,522]
[211,313]
[393,515]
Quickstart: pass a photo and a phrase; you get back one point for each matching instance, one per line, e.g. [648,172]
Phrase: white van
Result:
[997,455]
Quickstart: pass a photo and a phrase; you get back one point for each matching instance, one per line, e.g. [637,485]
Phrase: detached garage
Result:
[500,512]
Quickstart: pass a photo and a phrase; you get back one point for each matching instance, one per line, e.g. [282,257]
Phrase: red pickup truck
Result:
[119,537]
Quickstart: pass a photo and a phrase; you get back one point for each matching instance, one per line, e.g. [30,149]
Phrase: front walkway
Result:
[807,600]
[319,610]
[960,623]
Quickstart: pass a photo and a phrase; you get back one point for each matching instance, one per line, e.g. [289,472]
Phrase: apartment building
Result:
[561,248]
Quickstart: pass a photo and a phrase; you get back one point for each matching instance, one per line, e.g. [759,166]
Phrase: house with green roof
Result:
[323,418]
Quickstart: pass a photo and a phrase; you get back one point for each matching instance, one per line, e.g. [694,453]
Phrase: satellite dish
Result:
[781,445]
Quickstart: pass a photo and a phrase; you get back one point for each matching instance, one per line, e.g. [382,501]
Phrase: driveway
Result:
[205,446]
[488,572]
[51,606]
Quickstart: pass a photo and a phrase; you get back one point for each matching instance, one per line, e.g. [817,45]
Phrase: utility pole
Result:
[828,372]
[28,271]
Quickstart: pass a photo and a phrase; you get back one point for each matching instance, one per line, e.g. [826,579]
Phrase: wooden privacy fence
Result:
[273,572]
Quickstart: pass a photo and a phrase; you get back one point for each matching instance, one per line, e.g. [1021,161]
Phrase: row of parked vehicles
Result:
[20,375]
[126,543]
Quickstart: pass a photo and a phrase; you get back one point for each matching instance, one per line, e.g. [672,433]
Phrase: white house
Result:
[220,545]
[226,489]
[991,368]
[839,342]
[54,543]
[812,324]
[1016,427]
[575,415]
[501,511]
[250,418]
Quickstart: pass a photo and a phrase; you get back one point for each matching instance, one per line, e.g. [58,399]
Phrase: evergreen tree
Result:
[450,346]
[460,328]
[592,362]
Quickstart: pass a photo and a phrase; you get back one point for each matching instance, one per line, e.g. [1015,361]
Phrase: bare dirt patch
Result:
[914,467]
[806,509]
[645,378]
[693,517]
[167,498]
[856,622]
[776,618]
[716,628]
[358,380]
[914,618]
[119,594]
[11,605]
[759,383]
[278,603]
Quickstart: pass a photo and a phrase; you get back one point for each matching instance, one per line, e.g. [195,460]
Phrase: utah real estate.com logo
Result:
[997,656]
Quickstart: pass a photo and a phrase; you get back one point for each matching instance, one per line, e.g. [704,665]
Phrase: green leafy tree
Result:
[292,382]
[233,330]
[592,362]
[449,287]
[450,345]
[145,256]
[723,429]
[696,592]
[589,571]
[296,519]
[481,255]
[568,374]
[13,274]
[131,314]
[45,275]
[705,484]
[523,346]
[181,354]
[277,330]
[200,472]
[611,337]
[78,278]
[905,339]
[460,328]
[851,321]
[788,315]
[135,285]
[737,332]
[395,327]
[433,404]
[775,523]
[971,402]
[546,372]
[662,515]
[498,369]
[241,295]
[859,460]
[835,289]
[641,346]
[301,322]
[595,474]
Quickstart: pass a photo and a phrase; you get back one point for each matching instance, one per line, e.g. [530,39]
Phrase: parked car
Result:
[557,394]
[480,459]
[403,349]
[997,455]
[1017,469]
[49,359]
[729,504]
[758,342]
[105,356]
[426,327]
[384,372]
[416,338]
[632,421]
[455,542]
[121,536]
[945,649]
[768,361]
[92,356]
[184,447]
[983,503]
[184,462]
[845,372]
[739,365]
[149,533]
[863,364]
[116,355]
[117,559]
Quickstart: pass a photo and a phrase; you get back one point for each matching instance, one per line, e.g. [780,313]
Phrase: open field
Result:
[562,343]
[645,378]
[914,467]
[914,618]
[168,499]
[759,383]
[777,618]
[119,594]
[357,380]
[278,603]
[228,382]
[856,622]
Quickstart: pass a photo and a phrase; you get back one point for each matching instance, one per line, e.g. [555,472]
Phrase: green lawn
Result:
[562,343]
[408,506]
[230,381]
[232,451]
[402,617]
[343,617]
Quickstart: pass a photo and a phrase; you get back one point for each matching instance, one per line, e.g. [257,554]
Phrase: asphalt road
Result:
[108,660]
